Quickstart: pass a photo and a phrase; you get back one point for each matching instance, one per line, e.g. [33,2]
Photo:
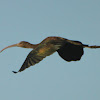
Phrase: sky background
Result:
[53,78]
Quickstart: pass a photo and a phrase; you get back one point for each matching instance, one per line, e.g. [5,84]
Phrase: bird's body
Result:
[69,50]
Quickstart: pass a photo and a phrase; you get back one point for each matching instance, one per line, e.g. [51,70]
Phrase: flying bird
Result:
[69,50]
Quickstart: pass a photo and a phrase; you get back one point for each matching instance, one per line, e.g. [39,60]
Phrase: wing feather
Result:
[71,52]
[31,60]
[36,55]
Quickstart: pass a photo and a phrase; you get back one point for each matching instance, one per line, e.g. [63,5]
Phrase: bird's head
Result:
[22,44]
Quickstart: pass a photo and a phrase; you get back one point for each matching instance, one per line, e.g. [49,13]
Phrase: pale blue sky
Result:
[53,78]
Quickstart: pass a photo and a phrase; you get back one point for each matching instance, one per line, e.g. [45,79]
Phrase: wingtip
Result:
[14,72]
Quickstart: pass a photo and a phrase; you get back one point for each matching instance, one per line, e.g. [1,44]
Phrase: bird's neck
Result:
[33,46]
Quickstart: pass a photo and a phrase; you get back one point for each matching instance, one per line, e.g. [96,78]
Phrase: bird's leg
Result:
[92,47]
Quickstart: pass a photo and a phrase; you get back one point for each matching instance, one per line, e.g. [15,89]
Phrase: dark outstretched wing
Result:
[31,60]
[71,52]
[36,55]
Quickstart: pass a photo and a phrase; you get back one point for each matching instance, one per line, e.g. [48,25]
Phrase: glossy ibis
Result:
[69,50]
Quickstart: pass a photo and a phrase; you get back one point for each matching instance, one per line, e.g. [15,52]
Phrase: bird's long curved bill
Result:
[14,45]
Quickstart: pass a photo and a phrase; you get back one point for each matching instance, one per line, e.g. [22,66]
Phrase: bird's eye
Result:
[21,42]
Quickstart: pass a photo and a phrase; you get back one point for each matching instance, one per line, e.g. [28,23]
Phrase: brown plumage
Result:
[69,50]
